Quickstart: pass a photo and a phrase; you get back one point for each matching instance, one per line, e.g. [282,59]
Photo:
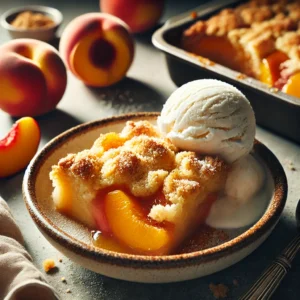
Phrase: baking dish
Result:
[274,109]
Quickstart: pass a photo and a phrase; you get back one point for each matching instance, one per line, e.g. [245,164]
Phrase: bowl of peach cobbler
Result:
[160,197]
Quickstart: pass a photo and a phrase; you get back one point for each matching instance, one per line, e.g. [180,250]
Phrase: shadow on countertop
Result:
[128,95]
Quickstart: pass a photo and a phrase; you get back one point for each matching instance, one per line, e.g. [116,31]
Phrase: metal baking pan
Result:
[274,110]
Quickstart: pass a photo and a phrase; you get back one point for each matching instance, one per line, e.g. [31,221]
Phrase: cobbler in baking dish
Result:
[259,38]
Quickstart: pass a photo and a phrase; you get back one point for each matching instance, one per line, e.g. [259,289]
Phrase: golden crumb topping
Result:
[253,30]
[288,42]
[143,162]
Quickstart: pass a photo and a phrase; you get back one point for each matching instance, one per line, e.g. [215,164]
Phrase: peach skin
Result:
[97,48]
[18,147]
[33,77]
[140,15]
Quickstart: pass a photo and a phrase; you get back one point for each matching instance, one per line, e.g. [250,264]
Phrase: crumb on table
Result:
[235,282]
[48,264]
[290,165]
[241,76]
[193,15]
[219,290]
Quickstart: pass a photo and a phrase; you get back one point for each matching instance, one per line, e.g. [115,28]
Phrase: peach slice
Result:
[19,146]
[217,49]
[107,141]
[62,195]
[128,224]
[292,85]
[270,67]
[109,243]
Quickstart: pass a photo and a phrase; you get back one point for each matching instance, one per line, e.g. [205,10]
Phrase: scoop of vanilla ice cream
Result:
[209,117]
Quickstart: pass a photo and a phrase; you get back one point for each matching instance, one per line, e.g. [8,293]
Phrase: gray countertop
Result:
[148,85]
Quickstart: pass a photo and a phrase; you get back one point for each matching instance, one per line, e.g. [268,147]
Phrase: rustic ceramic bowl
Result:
[73,239]
[43,34]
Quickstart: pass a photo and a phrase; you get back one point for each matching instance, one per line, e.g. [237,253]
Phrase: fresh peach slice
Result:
[128,224]
[270,67]
[292,87]
[19,146]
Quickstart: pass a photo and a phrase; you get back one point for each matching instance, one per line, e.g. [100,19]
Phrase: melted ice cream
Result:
[247,193]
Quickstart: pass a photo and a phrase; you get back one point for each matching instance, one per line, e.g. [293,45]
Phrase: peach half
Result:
[97,48]
[18,147]
[33,77]
[140,15]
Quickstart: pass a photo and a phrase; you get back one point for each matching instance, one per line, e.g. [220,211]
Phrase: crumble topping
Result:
[144,162]
[254,29]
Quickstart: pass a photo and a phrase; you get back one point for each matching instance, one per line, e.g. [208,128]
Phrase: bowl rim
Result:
[258,230]
[57,17]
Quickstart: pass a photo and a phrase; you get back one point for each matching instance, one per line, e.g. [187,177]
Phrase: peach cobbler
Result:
[259,38]
[138,191]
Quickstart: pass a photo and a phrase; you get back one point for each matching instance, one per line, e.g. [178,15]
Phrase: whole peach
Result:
[97,48]
[140,15]
[33,77]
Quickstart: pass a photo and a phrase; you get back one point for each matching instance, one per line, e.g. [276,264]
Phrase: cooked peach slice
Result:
[107,141]
[62,194]
[270,67]
[217,49]
[292,87]
[108,242]
[128,224]
[18,147]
